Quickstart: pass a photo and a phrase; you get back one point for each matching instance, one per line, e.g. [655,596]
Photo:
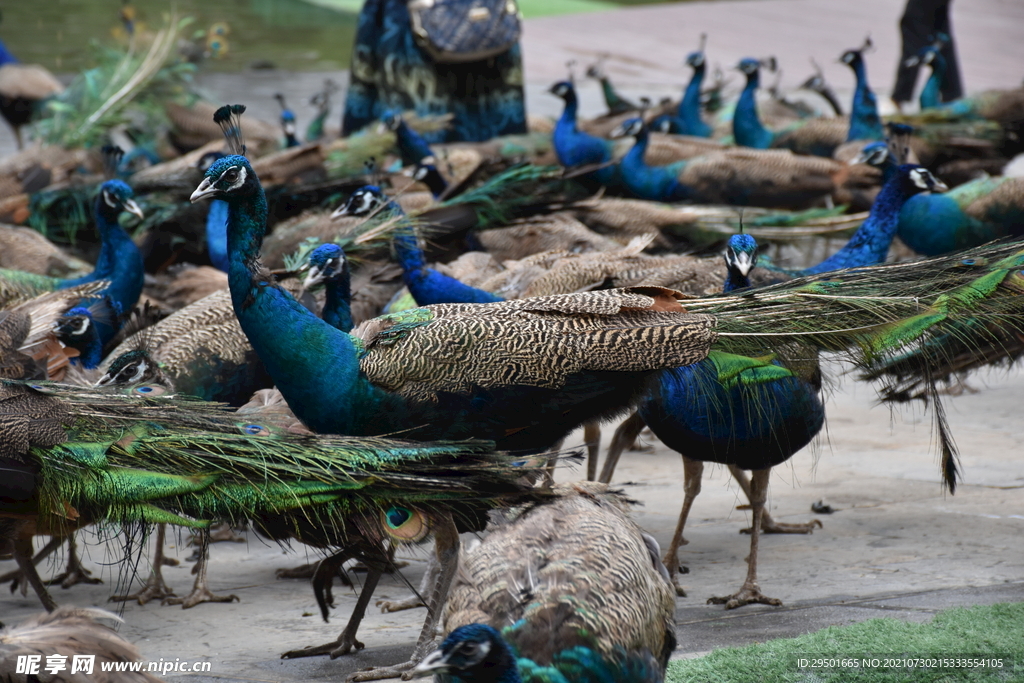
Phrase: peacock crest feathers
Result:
[229,118]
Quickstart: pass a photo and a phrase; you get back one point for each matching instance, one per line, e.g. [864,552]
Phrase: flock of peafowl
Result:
[363,343]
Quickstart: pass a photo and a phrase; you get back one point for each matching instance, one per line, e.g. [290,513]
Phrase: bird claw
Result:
[155,589]
[74,575]
[387,606]
[304,571]
[403,670]
[336,648]
[745,596]
[197,596]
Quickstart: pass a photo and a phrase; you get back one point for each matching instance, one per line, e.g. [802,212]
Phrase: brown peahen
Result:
[570,589]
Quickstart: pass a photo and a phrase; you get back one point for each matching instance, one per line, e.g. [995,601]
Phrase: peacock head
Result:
[749,66]
[426,172]
[634,127]
[228,178]
[928,55]
[741,254]
[563,89]
[131,367]
[116,196]
[917,179]
[325,263]
[468,649]
[874,154]
[75,326]
[391,120]
[695,59]
[363,202]
[850,57]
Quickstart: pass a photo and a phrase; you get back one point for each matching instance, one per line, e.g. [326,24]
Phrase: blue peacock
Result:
[816,136]
[977,212]
[412,146]
[687,120]
[576,148]
[865,123]
[288,123]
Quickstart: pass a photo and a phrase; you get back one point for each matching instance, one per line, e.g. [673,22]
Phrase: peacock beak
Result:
[433,663]
[131,207]
[939,186]
[313,277]
[340,212]
[205,189]
[912,61]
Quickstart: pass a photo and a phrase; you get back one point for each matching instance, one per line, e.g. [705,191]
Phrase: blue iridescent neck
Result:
[337,310]
[931,93]
[865,123]
[412,145]
[735,280]
[217,234]
[870,244]
[689,108]
[746,124]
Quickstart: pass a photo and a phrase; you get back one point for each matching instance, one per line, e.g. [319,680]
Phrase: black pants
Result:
[922,20]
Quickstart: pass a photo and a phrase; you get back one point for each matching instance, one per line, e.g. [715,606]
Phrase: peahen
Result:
[744,412]
[426,285]
[865,123]
[567,590]
[817,136]
[735,176]
[616,103]
[23,88]
[429,373]
[687,120]
[288,123]
[119,261]
[979,211]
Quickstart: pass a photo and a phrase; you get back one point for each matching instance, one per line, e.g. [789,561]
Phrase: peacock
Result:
[687,120]
[70,632]
[322,102]
[616,103]
[818,136]
[742,177]
[865,123]
[288,122]
[23,88]
[428,373]
[749,413]
[819,85]
[426,285]
[127,457]
[576,148]
[570,589]
[979,211]
[413,147]
[327,265]
[216,220]
[119,261]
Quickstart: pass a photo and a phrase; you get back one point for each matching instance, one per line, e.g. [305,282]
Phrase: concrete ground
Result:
[895,546]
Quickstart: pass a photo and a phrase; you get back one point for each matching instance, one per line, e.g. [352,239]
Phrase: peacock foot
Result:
[303,571]
[680,591]
[221,533]
[400,605]
[770,526]
[154,589]
[199,595]
[344,645]
[72,576]
[403,670]
[746,595]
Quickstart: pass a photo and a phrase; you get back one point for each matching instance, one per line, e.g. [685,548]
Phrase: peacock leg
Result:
[201,589]
[592,437]
[750,592]
[624,436]
[769,525]
[16,577]
[74,573]
[428,580]
[23,556]
[446,545]
[155,588]
[390,567]
[346,642]
[693,473]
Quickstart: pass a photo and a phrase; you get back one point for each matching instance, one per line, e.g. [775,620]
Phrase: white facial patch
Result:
[140,370]
[420,173]
[241,177]
[82,328]
[561,90]
[922,178]
[109,200]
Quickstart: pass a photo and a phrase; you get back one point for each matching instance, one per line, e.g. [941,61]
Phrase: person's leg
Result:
[917,28]
[952,88]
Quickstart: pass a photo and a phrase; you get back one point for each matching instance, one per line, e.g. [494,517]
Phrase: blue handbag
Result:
[464,30]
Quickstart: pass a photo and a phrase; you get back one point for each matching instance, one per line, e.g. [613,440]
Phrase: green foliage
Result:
[298,259]
[978,631]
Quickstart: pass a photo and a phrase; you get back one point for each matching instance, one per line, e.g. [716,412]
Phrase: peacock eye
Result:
[404,524]
[255,430]
[231,175]
[148,390]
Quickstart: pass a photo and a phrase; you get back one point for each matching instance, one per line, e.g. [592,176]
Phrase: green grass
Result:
[977,631]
